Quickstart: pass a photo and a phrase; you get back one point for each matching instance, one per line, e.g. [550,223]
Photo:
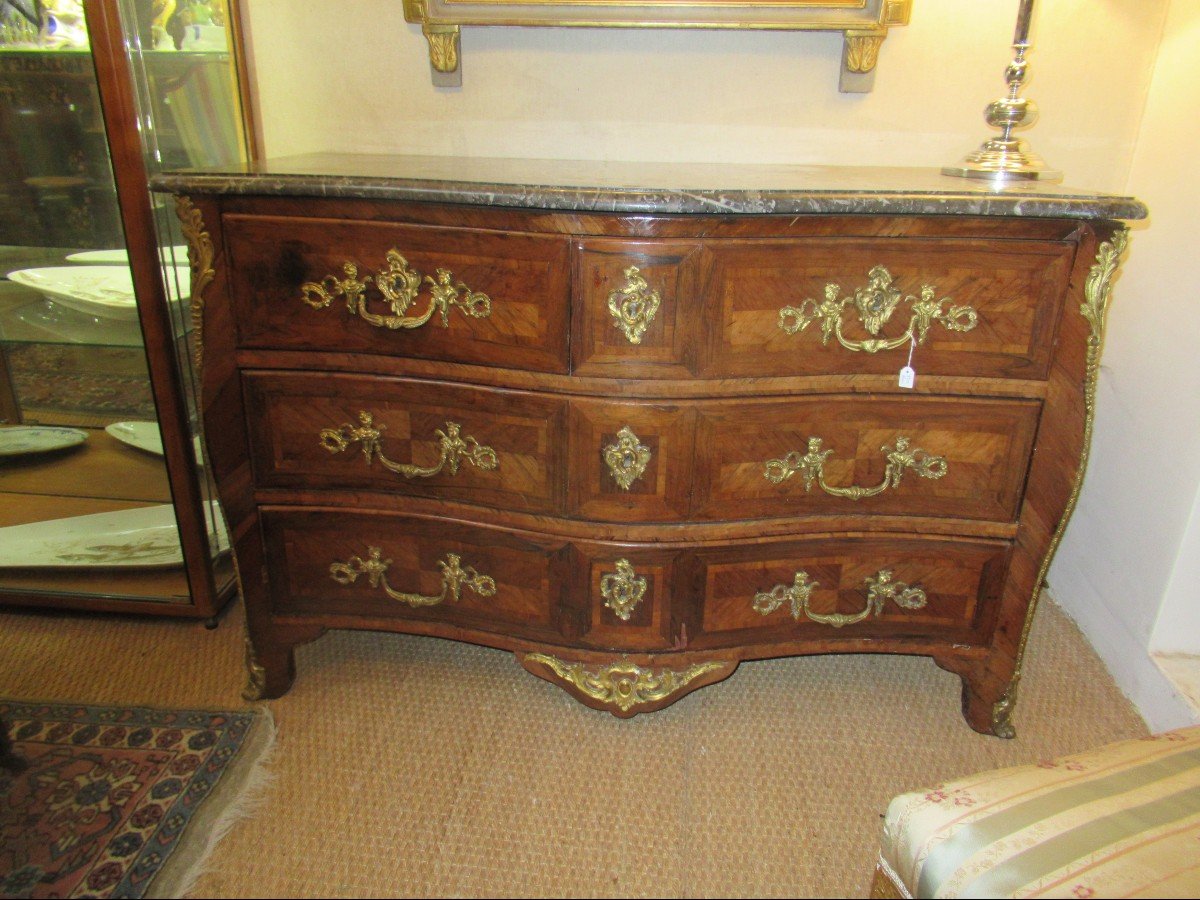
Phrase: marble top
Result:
[627,187]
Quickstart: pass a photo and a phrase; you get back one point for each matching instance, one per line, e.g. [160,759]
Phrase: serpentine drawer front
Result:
[639,436]
[815,306]
[317,284]
[481,445]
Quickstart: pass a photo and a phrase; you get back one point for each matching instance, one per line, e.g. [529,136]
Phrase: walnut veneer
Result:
[634,510]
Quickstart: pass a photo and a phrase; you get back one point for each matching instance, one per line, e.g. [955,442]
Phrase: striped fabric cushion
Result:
[1119,821]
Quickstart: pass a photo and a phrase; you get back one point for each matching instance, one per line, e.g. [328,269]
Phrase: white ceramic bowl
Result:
[103,291]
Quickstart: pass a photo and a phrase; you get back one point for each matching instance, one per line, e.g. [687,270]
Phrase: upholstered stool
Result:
[1119,821]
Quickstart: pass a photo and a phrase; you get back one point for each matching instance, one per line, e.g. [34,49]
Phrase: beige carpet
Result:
[417,767]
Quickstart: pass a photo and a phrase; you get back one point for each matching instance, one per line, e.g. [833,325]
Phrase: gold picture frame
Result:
[864,24]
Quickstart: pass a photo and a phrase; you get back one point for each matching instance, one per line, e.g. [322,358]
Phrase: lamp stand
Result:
[1006,158]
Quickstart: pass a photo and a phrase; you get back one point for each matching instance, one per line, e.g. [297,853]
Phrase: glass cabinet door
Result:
[91,509]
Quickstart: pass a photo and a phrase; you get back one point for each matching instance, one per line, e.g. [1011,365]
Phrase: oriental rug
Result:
[73,385]
[121,801]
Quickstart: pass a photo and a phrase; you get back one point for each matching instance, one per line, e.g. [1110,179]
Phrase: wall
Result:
[354,76]
[1130,534]
[1177,629]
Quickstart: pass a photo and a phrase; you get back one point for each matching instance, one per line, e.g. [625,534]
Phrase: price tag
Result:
[908,375]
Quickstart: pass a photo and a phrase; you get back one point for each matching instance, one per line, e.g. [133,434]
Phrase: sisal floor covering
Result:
[417,767]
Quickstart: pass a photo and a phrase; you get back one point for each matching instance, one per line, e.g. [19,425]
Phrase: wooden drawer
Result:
[849,588]
[314,284]
[351,568]
[624,597]
[631,462]
[637,302]
[1008,295]
[819,306]
[957,458]
[428,439]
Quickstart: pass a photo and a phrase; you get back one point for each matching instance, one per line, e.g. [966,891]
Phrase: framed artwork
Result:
[864,23]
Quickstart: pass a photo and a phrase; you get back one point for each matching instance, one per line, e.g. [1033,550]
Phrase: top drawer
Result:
[376,287]
[820,306]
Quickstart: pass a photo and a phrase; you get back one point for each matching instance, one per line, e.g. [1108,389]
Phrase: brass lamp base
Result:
[1001,161]
[1006,159]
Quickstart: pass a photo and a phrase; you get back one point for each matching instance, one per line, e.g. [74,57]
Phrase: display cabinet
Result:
[105,498]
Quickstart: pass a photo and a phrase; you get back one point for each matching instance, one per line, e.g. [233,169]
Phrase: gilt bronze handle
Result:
[875,304]
[880,588]
[454,578]
[454,447]
[812,466]
[399,286]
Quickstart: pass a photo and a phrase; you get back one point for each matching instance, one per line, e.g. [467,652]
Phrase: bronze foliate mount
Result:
[454,448]
[399,286]
[875,304]
[811,467]
[455,577]
[881,587]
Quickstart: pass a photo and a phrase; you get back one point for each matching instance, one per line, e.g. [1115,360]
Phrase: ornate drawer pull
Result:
[623,591]
[880,588]
[454,578]
[812,466]
[627,458]
[634,305]
[875,304]
[623,684]
[454,447]
[399,286]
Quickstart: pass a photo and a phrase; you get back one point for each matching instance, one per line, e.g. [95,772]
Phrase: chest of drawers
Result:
[639,436]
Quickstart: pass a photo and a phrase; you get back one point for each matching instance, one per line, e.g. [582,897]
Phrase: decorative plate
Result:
[20,440]
[145,436]
[104,291]
[119,256]
[143,538]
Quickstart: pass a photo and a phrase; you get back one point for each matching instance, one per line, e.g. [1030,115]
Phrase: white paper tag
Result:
[908,375]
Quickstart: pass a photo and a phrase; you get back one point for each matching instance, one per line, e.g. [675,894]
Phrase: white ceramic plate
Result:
[22,439]
[145,436]
[119,256]
[104,291]
[144,538]
[47,319]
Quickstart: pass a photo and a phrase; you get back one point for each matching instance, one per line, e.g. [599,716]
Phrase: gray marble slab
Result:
[640,188]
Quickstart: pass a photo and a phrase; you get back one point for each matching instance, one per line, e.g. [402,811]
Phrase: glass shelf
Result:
[82,359]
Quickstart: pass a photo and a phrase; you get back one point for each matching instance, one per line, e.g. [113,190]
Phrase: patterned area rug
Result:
[116,800]
[67,381]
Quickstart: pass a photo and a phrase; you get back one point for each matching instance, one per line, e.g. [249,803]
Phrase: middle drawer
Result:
[607,460]
[426,439]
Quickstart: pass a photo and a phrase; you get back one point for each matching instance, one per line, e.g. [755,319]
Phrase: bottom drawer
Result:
[410,573]
[845,588]
[362,569]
